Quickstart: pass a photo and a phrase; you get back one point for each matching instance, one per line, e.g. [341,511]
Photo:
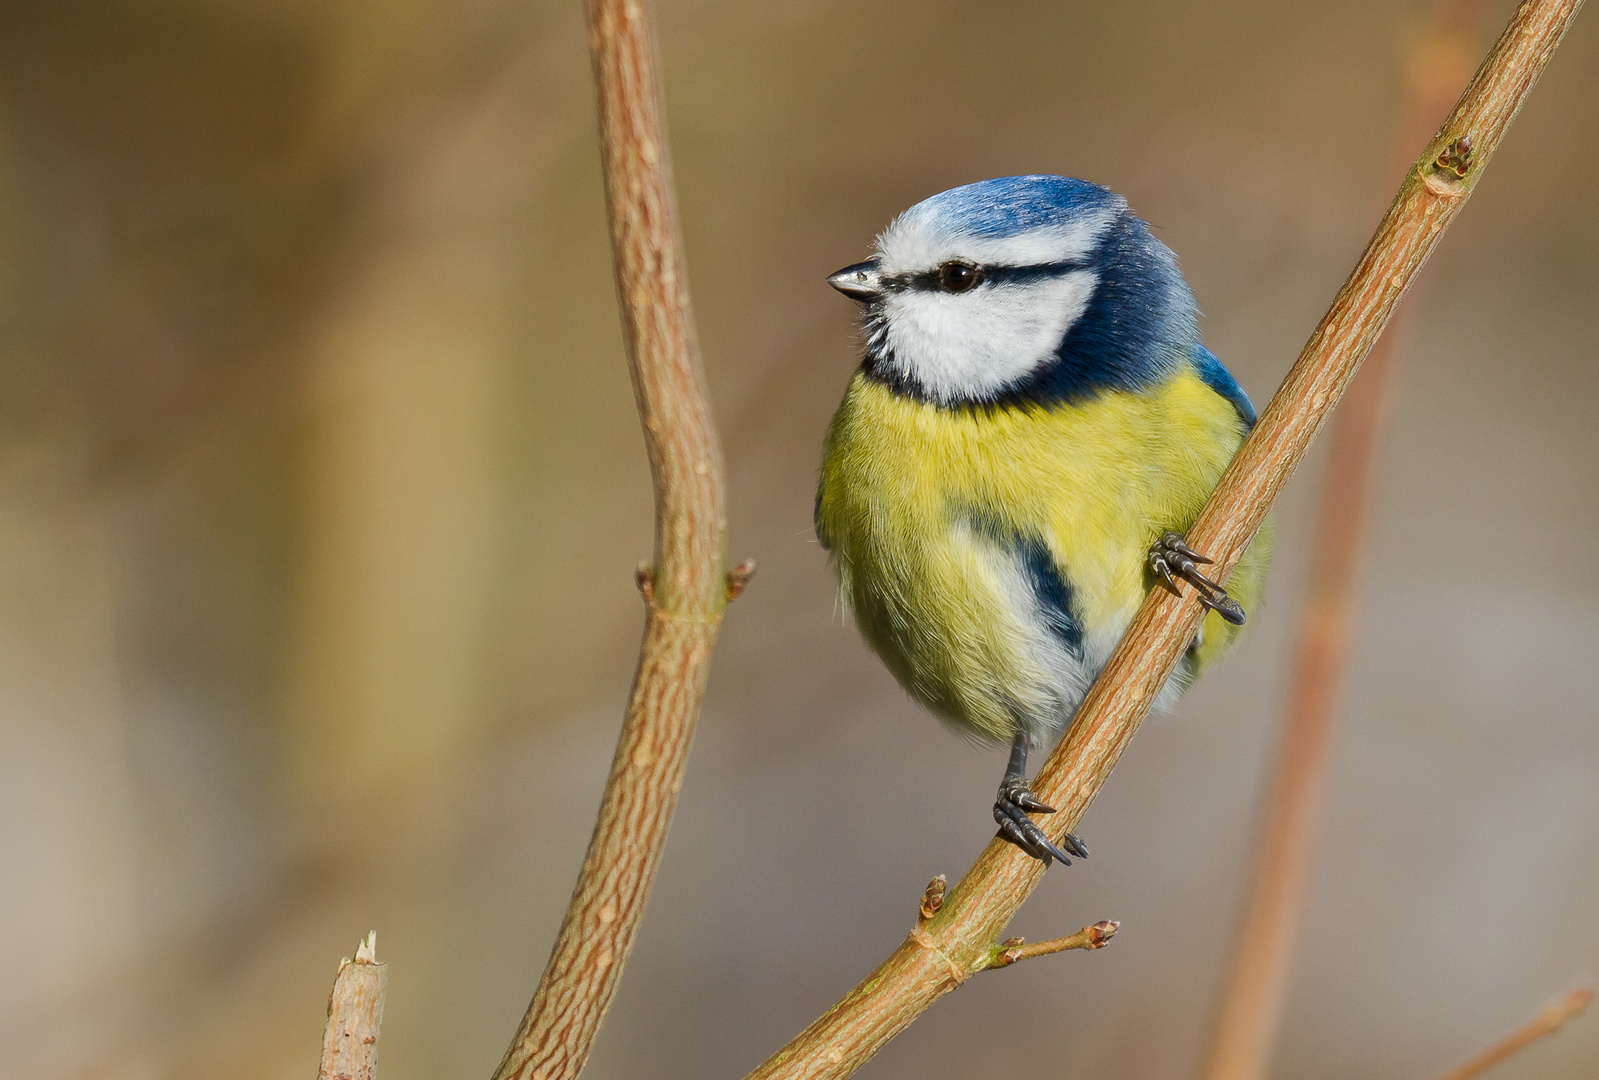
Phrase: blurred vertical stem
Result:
[959,940]
[686,589]
[1251,1006]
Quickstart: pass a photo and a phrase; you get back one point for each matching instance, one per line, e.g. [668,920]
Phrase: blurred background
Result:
[321,491]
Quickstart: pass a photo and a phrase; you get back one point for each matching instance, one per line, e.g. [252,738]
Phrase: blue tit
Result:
[1034,426]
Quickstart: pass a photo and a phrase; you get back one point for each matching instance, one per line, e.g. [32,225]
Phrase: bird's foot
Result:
[1011,807]
[1171,558]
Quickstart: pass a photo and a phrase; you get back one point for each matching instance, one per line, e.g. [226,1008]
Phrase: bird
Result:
[1034,425]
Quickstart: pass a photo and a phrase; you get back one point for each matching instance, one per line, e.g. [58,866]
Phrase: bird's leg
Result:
[1171,558]
[1016,799]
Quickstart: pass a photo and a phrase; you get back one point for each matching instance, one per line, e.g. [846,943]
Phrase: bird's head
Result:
[1022,288]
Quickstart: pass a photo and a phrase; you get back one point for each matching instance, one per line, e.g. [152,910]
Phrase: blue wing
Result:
[1049,586]
[1219,379]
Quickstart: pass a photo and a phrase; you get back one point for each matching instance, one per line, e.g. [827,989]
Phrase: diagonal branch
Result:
[1013,950]
[958,940]
[1551,1019]
[685,590]
[1258,967]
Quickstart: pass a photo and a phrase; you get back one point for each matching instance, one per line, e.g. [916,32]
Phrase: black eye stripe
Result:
[928,280]
[1021,275]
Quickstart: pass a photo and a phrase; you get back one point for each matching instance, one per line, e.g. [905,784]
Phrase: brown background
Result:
[320,494]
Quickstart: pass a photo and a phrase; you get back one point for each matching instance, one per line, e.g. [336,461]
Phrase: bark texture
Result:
[685,589]
[355,1014]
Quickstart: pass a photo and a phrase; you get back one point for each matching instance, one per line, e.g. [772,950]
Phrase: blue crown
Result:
[1014,204]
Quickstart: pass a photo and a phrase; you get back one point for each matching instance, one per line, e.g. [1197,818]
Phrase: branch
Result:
[355,1013]
[1251,1006]
[1014,949]
[1547,1022]
[685,590]
[957,941]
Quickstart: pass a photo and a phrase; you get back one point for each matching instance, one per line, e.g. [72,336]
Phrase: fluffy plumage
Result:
[1034,409]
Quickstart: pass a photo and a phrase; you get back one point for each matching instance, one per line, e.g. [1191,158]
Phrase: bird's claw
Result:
[1172,558]
[1011,807]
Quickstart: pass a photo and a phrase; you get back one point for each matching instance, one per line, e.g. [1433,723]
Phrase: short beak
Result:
[858,282]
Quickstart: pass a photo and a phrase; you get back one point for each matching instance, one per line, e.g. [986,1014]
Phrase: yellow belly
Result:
[919,506]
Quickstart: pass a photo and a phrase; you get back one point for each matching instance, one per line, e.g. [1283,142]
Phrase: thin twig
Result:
[1014,949]
[1251,1006]
[685,589]
[1550,1020]
[355,1013]
[956,943]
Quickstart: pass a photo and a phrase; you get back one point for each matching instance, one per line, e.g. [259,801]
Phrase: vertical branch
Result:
[686,589]
[959,940]
[355,1013]
[1251,1006]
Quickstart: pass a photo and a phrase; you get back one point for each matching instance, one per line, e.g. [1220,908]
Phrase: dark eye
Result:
[958,276]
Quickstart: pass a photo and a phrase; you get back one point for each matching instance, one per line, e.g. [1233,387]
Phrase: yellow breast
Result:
[922,508]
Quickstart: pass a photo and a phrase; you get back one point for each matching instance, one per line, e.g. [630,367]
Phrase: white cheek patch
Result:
[961,346]
[919,241]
